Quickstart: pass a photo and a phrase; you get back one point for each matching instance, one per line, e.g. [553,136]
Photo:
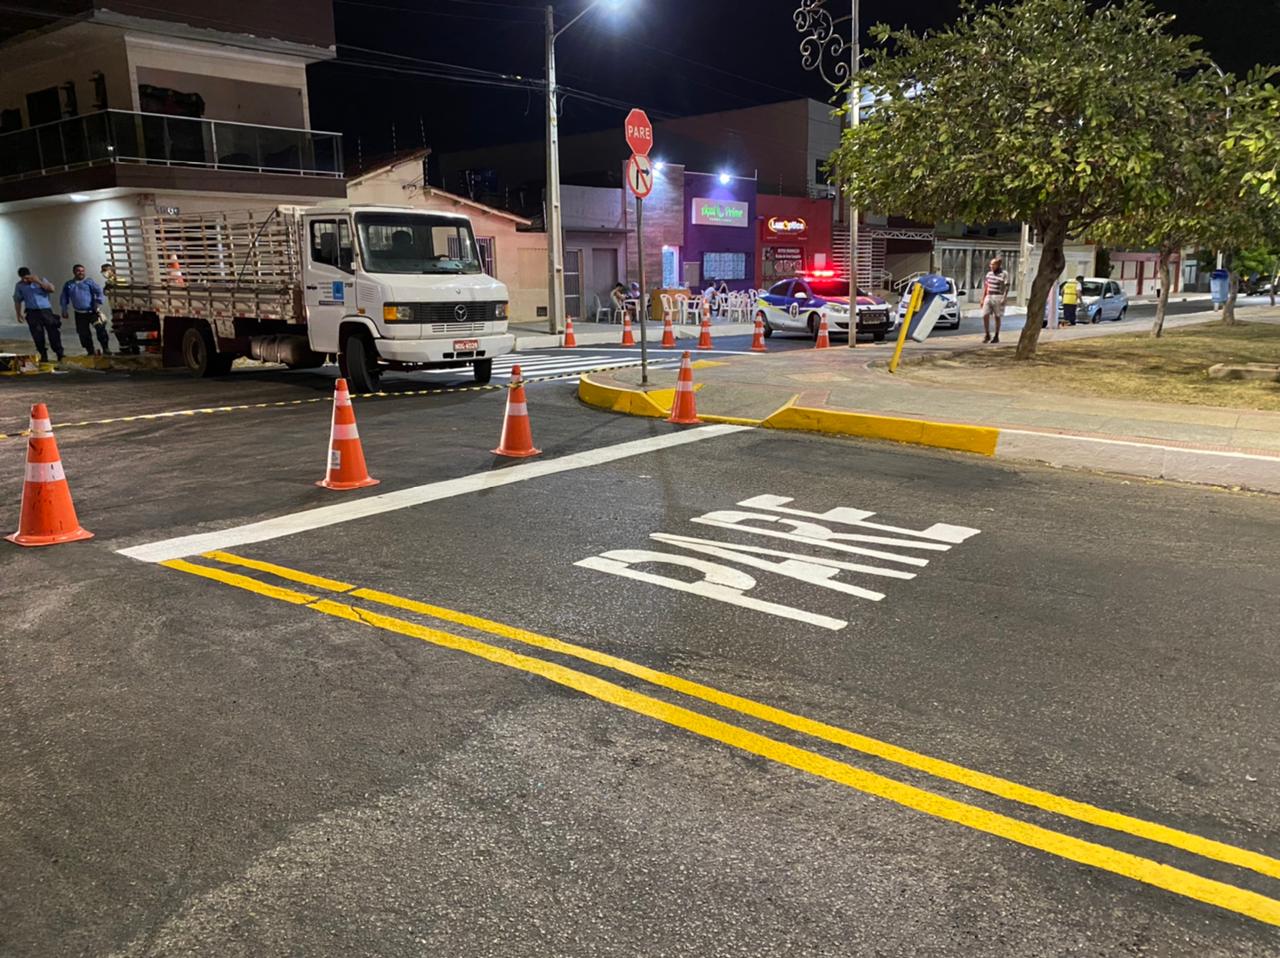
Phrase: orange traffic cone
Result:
[48,516]
[570,341]
[684,411]
[627,338]
[668,334]
[517,437]
[346,456]
[824,338]
[757,341]
[704,340]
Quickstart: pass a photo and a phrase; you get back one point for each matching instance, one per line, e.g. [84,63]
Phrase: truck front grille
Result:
[451,313]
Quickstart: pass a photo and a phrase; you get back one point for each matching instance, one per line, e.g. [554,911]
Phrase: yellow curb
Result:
[919,432]
[706,364]
[730,420]
[632,402]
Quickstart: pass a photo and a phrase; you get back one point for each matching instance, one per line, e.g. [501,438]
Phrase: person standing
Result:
[1071,299]
[995,290]
[31,304]
[84,297]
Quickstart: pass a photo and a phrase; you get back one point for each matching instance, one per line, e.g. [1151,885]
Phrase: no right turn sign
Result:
[640,175]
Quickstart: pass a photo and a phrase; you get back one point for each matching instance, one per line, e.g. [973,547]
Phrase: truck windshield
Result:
[412,243]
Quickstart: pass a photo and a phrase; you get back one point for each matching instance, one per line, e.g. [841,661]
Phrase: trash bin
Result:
[931,304]
[1219,286]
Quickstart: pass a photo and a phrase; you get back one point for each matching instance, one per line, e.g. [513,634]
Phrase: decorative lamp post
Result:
[829,46]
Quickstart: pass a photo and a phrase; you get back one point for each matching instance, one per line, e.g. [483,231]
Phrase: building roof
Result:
[416,156]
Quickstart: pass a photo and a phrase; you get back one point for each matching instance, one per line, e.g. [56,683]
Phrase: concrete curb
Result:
[1099,453]
[610,338]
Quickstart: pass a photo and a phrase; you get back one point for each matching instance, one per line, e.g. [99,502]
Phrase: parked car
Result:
[799,305]
[950,317]
[1100,299]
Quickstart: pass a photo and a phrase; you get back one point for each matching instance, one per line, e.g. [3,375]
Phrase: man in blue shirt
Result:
[32,295]
[84,296]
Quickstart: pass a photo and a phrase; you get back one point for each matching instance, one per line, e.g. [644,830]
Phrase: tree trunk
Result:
[1049,269]
[1233,287]
[1162,300]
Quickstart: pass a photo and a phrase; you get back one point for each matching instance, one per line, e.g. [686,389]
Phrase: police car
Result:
[799,305]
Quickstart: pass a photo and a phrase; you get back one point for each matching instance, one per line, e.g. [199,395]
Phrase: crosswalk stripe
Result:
[551,365]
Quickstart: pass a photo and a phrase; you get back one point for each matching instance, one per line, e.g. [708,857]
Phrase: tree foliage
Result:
[1053,112]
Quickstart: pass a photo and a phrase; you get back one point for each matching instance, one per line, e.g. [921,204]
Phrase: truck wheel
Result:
[358,362]
[878,337]
[199,354]
[483,369]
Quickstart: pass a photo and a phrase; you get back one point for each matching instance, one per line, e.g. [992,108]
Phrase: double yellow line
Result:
[1138,868]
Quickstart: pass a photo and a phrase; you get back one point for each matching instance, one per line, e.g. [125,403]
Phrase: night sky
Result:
[673,57]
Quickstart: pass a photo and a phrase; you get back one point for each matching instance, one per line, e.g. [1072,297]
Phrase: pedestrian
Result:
[710,301]
[1071,298]
[995,290]
[31,304]
[83,296]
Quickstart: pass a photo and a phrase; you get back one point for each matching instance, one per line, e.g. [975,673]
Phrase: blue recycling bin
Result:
[1219,286]
[930,306]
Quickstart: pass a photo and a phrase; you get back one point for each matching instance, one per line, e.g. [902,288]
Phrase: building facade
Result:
[133,109]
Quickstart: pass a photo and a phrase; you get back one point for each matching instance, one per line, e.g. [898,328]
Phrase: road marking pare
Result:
[769,516]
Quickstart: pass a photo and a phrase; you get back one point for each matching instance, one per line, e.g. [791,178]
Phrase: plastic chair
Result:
[603,310]
[691,310]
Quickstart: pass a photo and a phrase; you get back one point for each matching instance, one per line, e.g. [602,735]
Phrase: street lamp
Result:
[555,230]
[824,49]
[725,179]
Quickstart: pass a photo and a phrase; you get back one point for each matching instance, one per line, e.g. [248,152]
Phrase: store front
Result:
[794,235]
[719,230]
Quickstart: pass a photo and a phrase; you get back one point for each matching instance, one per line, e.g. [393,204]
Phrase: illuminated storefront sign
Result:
[786,227]
[708,212]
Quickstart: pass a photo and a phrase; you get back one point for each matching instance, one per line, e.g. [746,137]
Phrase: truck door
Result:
[328,279]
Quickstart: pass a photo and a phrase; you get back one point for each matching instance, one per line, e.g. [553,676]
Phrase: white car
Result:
[950,317]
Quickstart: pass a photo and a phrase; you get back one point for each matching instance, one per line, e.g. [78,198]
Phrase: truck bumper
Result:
[431,351]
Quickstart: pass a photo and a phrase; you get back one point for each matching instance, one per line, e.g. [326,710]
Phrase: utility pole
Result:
[855,117]
[555,233]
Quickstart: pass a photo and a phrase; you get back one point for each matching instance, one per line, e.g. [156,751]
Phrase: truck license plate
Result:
[465,345]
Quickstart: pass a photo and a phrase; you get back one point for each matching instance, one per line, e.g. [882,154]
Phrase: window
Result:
[724,265]
[1113,289]
[485,245]
[780,289]
[44,106]
[416,243]
[331,243]
[10,120]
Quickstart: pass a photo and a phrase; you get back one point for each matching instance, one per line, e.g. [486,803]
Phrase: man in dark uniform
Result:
[32,296]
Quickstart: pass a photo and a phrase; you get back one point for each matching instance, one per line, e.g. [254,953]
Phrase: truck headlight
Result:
[500,311]
[392,314]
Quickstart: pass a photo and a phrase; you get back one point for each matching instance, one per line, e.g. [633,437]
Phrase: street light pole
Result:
[555,231]
[822,50]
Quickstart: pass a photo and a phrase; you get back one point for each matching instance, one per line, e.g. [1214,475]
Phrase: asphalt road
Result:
[493,748]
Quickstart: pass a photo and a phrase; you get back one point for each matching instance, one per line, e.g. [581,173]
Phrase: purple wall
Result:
[720,239]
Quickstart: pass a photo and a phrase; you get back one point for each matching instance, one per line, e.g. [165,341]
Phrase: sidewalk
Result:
[535,335]
[852,393]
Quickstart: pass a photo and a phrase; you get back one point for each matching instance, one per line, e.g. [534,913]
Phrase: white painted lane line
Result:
[322,516]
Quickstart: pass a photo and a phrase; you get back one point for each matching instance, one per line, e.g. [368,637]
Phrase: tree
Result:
[1046,111]
[1194,185]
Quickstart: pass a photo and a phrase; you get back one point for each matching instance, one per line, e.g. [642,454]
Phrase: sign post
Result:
[639,175]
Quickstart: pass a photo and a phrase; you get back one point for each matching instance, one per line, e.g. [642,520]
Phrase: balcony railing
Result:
[156,139]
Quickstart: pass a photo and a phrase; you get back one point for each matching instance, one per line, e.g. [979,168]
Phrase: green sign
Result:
[708,212]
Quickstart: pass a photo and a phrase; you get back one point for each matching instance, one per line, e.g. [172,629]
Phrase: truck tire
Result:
[483,369]
[358,362]
[200,355]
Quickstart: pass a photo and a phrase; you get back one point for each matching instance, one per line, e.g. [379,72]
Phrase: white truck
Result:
[377,287]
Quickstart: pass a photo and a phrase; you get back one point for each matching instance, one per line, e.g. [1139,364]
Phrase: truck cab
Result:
[394,288]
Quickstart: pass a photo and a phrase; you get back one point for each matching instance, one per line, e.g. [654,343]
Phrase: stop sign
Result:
[639,132]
